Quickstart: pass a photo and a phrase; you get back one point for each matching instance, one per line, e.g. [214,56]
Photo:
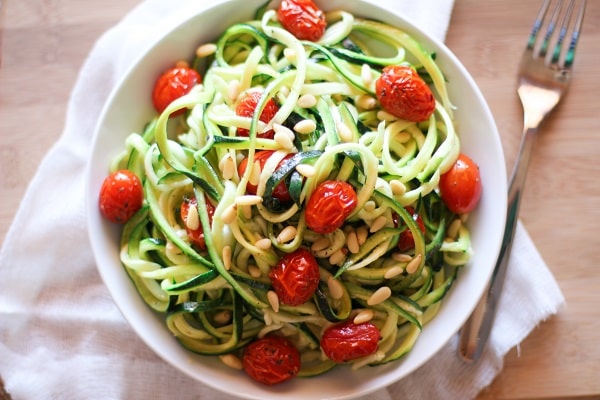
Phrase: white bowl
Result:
[129,108]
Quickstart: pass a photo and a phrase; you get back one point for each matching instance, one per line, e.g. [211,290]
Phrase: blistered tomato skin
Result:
[302,18]
[348,341]
[280,192]
[404,94]
[460,186]
[173,84]
[196,236]
[295,277]
[271,360]
[246,107]
[329,206]
[121,196]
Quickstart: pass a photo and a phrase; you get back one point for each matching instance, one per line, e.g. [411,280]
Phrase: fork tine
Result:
[551,27]
[537,25]
[570,55]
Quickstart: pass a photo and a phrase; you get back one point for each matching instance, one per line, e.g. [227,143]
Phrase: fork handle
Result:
[476,330]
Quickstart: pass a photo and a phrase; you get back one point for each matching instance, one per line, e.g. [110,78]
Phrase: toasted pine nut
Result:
[402,137]
[393,272]
[305,126]
[263,244]
[306,170]
[227,166]
[226,254]
[370,206]
[182,64]
[413,265]
[352,242]
[288,233]
[206,50]
[453,229]
[307,101]
[283,140]
[378,224]
[246,211]
[401,257]
[232,361]
[229,214]
[398,188]
[273,300]
[379,296]
[363,316]
[254,177]
[361,234]
[320,244]
[344,132]
[248,200]
[192,220]
[337,257]
[222,317]
[366,75]
[366,102]
[335,288]
[254,271]
[385,116]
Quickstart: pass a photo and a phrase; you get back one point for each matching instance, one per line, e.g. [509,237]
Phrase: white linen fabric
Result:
[61,335]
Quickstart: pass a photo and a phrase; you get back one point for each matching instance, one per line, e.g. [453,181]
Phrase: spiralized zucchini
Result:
[216,301]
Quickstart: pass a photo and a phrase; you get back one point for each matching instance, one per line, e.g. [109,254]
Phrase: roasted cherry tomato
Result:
[246,107]
[406,241]
[302,18]
[348,341]
[404,94]
[295,277]
[195,235]
[271,360]
[460,186]
[173,84]
[329,206]
[280,192]
[121,196]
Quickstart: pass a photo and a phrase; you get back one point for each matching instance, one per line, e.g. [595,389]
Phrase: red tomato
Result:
[404,94]
[406,241]
[246,107]
[302,18]
[460,186]
[295,277]
[280,192]
[196,236]
[121,196]
[329,206]
[348,341]
[271,360]
[173,84]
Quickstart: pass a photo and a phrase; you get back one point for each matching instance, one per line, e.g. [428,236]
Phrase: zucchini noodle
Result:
[216,300]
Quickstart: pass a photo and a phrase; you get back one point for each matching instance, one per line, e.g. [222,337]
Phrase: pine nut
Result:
[233,90]
[192,219]
[248,200]
[370,206]
[398,188]
[414,264]
[206,50]
[393,272]
[379,296]
[320,244]
[283,140]
[378,224]
[366,102]
[402,137]
[227,166]
[273,300]
[222,317]
[363,316]
[366,75]
[288,233]
[361,235]
[226,254]
[307,101]
[401,257]
[254,177]
[182,64]
[352,242]
[306,170]
[385,116]
[232,361]
[229,214]
[254,271]
[246,211]
[453,229]
[344,132]
[337,257]
[336,290]
[305,126]
[263,244]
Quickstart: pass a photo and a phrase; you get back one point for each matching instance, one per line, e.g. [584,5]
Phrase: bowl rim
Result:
[98,229]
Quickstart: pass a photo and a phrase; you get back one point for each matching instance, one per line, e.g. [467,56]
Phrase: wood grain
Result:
[44,43]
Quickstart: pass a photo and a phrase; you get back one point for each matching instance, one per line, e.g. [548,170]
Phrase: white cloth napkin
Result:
[61,335]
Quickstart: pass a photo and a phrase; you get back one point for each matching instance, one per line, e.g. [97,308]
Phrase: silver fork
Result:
[543,80]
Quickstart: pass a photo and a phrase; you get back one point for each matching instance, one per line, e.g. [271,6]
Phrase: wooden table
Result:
[46,41]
